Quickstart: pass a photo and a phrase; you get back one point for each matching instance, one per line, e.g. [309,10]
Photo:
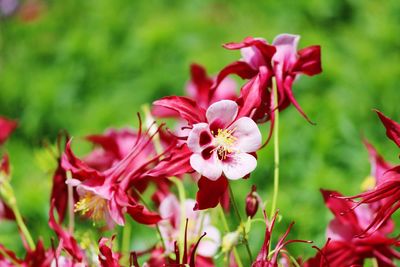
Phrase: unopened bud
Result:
[252,202]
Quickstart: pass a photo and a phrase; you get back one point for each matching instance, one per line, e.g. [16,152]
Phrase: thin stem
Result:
[235,207]
[22,226]
[71,214]
[182,200]
[148,208]
[225,224]
[126,240]
[276,149]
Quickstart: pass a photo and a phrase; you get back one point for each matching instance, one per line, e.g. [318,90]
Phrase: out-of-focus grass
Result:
[88,65]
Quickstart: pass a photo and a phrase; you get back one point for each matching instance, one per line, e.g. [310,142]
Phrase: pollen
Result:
[92,205]
[224,142]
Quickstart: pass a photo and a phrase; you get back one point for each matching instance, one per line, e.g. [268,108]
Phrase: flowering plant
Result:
[140,176]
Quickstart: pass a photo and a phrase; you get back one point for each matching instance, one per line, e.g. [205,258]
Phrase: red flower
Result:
[385,196]
[105,194]
[280,60]
[200,89]
[345,246]
[6,128]
[271,260]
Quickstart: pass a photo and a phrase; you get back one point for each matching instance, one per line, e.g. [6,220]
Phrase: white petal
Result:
[193,140]
[209,245]
[248,135]
[210,168]
[169,207]
[238,165]
[223,112]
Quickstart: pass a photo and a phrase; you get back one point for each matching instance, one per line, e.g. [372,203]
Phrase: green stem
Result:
[276,150]
[148,208]
[22,226]
[126,240]
[225,224]
[235,207]
[6,256]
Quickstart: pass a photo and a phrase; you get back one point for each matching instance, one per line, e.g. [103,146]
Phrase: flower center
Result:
[92,205]
[224,141]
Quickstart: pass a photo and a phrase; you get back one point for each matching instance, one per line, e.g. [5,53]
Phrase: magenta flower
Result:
[223,144]
[345,246]
[386,194]
[200,89]
[263,61]
[104,195]
[266,259]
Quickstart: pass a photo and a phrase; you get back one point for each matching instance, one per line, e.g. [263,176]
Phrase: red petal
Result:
[392,128]
[210,192]
[309,61]
[185,107]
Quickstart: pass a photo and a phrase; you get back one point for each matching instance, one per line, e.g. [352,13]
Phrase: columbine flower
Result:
[104,195]
[223,144]
[345,246]
[198,223]
[386,193]
[200,89]
[262,61]
[264,257]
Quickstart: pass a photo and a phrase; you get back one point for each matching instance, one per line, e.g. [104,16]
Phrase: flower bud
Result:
[252,202]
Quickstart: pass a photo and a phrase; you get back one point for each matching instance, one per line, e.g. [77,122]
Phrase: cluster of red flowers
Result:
[215,140]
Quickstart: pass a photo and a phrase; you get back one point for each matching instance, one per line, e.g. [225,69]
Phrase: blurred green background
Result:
[85,66]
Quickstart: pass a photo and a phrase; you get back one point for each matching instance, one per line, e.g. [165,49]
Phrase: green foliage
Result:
[84,66]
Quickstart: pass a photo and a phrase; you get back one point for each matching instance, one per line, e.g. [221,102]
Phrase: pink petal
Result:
[197,137]
[238,165]
[252,56]
[222,112]
[209,245]
[169,207]
[210,168]
[248,135]
[286,48]
[225,90]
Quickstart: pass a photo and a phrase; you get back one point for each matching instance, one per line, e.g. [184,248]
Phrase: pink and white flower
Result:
[198,223]
[223,145]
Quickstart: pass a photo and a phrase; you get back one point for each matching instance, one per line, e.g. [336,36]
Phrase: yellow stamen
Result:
[92,205]
[224,141]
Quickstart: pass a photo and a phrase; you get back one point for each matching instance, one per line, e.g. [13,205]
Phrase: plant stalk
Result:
[276,149]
